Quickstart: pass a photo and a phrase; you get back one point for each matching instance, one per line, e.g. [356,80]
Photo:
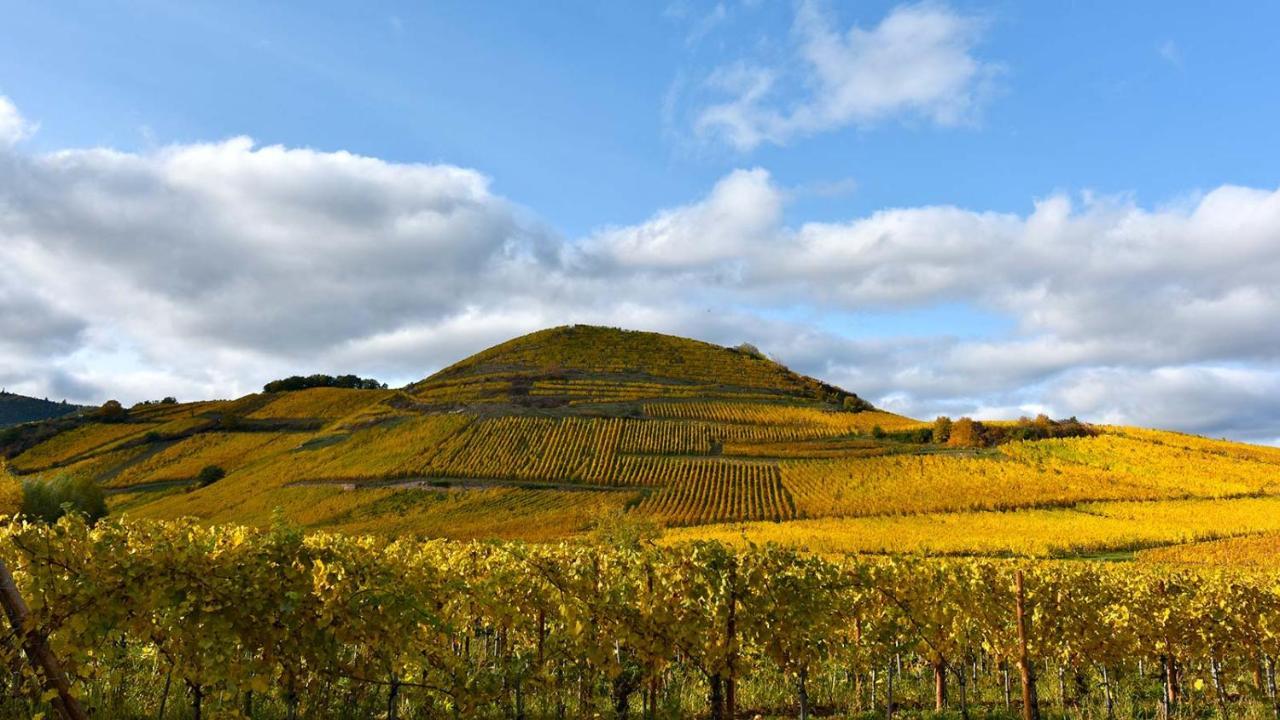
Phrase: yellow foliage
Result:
[1093,527]
[319,403]
[76,442]
[187,457]
[721,491]
[1256,551]
[10,492]
[823,421]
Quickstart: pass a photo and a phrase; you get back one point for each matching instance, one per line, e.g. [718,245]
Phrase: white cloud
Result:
[205,270]
[742,211]
[13,127]
[1234,401]
[918,61]
[1102,284]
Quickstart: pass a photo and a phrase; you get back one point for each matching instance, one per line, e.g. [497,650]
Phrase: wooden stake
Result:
[1030,706]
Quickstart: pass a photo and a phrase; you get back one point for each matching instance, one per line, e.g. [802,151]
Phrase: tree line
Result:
[307,382]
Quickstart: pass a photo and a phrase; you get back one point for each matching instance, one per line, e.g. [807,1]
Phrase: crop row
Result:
[720,492]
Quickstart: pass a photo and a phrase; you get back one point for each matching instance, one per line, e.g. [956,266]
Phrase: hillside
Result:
[542,436]
[18,409]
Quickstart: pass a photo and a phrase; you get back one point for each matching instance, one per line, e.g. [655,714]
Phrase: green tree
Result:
[48,500]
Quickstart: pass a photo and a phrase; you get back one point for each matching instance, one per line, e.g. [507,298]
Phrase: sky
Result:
[988,209]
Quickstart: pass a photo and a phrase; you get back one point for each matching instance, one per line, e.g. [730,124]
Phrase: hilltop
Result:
[18,409]
[584,364]
[544,435]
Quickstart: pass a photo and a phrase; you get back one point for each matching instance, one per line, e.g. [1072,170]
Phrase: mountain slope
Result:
[541,436]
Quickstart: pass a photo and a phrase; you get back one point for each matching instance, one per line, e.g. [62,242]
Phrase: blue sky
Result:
[564,110]
[610,144]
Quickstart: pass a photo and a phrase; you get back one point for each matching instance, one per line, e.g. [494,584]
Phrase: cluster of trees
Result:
[167,400]
[299,382]
[277,624]
[967,432]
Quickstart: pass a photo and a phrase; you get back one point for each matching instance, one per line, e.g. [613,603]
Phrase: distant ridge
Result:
[17,409]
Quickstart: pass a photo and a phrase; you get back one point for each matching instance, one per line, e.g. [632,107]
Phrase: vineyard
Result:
[1082,530]
[1251,551]
[195,621]
[569,423]
[714,536]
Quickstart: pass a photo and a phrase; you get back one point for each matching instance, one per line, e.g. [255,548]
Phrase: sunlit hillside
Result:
[540,437]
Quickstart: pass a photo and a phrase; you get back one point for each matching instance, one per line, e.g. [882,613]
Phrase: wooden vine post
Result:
[1030,705]
[37,649]
[731,633]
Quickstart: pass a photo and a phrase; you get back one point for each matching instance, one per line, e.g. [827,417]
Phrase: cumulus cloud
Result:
[1228,401]
[918,61]
[1094,284]
[741,213]
[13,127]
[268,248]
[204,270]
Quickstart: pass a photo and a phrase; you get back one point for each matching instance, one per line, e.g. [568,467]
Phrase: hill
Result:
[542,436]
[18,409]
[584,364]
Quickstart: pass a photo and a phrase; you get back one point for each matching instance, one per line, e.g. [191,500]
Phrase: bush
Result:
[209,475]
[48,500]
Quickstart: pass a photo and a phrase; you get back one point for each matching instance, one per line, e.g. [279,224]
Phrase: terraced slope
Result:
[541,436]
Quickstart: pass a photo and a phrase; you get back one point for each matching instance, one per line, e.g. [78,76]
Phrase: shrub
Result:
[48,500]
[209,475]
